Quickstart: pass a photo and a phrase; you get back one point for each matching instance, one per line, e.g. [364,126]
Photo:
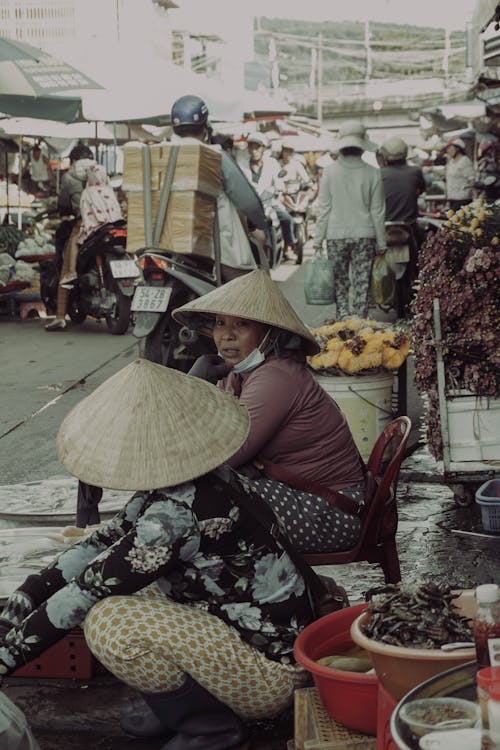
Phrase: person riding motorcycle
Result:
[68,204]
[189,117]
[262,171]
[73,181]
[294,170]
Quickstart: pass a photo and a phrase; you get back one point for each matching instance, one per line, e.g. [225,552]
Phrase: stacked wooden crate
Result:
[189,221]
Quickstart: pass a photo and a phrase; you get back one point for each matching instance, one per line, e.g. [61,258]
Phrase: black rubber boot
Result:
[141,721]
[200,720]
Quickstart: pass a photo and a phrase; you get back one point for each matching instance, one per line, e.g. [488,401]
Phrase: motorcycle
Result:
[105,279]
[296,199]
[169,280]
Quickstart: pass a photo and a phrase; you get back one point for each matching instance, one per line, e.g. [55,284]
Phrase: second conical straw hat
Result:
[254,296]
[148,427]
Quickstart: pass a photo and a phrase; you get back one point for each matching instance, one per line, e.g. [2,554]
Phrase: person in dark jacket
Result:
[403,183]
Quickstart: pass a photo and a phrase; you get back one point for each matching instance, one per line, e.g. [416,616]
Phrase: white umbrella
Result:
[143,88]
[36,84]
[129,99]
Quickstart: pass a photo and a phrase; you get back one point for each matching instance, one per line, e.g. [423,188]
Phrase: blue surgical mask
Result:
[254,359]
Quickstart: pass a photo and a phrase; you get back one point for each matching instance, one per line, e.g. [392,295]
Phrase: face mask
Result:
[254,359]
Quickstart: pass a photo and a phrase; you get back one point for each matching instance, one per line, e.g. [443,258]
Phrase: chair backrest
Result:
[393,438]
[381,517]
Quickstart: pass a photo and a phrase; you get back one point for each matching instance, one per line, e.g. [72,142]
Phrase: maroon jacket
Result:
[296,424]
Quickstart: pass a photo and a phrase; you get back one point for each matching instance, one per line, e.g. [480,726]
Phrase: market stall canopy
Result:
[257,105]
[142,88]
[453,116]
[147,104]
[51,129]
[36,84]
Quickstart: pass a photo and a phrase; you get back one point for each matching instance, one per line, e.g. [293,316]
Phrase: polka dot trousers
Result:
[311,522]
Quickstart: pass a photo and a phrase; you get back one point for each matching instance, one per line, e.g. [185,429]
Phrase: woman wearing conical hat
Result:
[299,438]
[184,595]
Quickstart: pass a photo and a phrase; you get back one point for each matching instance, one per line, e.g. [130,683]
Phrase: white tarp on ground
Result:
[52,499]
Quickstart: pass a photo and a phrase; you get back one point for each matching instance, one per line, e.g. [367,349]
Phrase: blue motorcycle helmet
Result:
[189,114]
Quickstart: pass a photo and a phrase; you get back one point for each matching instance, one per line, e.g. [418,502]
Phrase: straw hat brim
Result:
[148,427]
[253,296]
[354,141]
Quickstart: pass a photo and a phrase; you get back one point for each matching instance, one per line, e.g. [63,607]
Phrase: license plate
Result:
[151,298]
[122,269]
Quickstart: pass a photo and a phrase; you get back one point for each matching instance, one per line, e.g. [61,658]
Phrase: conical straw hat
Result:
[148,427]
[254,296]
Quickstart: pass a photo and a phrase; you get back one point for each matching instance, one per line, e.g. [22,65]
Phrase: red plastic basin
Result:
[350,698]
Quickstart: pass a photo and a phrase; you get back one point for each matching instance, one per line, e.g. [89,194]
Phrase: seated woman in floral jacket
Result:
[182,595]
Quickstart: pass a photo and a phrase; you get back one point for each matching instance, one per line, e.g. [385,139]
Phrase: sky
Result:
[450,14]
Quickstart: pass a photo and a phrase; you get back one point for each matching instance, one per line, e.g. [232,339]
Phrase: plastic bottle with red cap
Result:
[484,678]
[486,625]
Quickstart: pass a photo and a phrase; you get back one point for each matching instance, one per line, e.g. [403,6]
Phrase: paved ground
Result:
[44,375]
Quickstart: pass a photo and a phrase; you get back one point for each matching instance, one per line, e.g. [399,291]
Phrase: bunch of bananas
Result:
[358,345]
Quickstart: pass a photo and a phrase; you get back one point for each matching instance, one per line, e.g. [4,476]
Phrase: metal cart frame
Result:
[463,477]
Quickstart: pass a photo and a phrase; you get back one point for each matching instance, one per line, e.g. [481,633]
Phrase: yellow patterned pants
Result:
[150,643]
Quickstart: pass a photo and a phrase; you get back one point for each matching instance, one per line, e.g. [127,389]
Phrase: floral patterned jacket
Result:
[201,548]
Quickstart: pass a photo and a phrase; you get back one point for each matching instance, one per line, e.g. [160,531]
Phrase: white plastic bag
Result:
[15,733]
[234,244]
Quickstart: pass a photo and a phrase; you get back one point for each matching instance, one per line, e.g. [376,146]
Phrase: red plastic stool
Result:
[386,705]
[26,307]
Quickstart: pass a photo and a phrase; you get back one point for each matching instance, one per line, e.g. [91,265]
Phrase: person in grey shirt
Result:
[350,217]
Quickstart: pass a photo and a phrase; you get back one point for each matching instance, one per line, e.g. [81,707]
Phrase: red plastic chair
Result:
[377,541]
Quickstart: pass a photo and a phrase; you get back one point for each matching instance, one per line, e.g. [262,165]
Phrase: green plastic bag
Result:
[318,280]
[383,284]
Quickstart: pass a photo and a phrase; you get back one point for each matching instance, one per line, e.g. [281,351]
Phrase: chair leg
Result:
[389,560]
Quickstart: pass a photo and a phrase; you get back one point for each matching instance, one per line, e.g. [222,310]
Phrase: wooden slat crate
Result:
[188,227]
[197,168]
[189,223]
[316,730]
